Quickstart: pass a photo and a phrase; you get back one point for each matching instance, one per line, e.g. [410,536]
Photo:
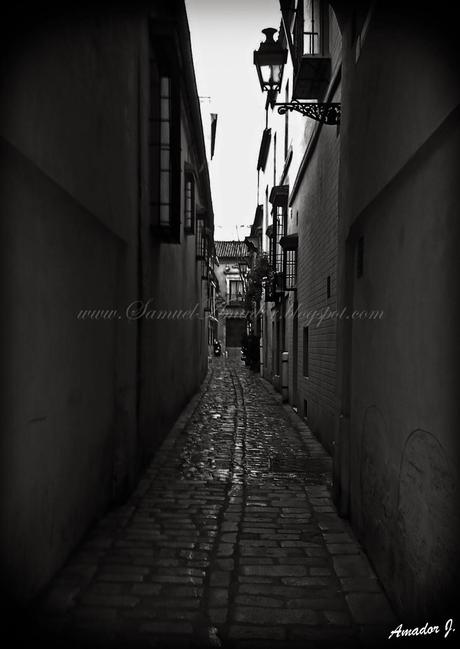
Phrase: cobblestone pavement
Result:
[230,540]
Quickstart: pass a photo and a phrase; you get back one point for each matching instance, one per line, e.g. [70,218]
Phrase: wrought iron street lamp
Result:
[270,60]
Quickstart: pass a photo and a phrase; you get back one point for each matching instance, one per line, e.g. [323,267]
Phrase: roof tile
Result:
[235,249]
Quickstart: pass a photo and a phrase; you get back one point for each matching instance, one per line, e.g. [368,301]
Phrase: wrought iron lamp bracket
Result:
[326,113]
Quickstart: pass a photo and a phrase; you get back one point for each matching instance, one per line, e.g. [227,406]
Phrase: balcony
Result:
[274,289]
[312,78]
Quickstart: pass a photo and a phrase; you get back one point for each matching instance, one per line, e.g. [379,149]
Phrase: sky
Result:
[224,34]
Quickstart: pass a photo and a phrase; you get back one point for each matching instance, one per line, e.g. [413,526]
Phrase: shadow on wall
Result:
[409,521]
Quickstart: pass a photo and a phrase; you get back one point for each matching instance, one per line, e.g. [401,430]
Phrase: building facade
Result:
[397,452]
[366,209]
[299,173]
[231,277]
[107,234]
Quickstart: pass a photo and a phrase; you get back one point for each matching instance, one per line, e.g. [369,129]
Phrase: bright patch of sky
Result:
[224,35]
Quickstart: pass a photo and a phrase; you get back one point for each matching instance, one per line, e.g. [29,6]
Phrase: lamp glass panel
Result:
[266,73]
[275,77]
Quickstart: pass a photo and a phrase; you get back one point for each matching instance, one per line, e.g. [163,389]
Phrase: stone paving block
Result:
[130,569]
[255,561]
[352,566]
[274,571]
[315,571]
[183,591]
[173,603]
[337,537]
[243,579]
[360,584]
[306,581]
[252,600]
[176,579]
[237,631]
[273,590]
[313,562]
[154,611]
[317,603]
[167,628]
[220,578]
[281,537]
[218,597]
[258,543]
[218,615]
[146,590]
[225,550]
[124,577]
[224,564]
[259,615]
[115,601]
[343,548]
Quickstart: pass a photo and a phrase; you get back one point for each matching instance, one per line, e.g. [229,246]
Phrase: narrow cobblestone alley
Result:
[230,539]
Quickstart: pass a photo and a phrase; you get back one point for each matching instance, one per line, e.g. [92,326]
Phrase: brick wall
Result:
[316,202]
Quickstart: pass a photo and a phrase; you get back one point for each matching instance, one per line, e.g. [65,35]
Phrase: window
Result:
[164,141]
[305,352]
[311,27]
[270,247]
[310,49]
[203,245]
[235,290]
[291,270]
[279,226]
[278,198]
[165,151]
[189,203]
[199,239]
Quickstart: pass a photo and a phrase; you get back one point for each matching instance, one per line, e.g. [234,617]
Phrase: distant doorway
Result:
[235,328]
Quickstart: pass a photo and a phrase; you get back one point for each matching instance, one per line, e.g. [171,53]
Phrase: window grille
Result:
[164,139]
[189,204]
[291,270]
[278,227]
[235,291]
[165,151]
[200,240]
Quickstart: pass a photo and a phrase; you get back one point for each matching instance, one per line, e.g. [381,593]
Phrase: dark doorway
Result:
[235,330]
